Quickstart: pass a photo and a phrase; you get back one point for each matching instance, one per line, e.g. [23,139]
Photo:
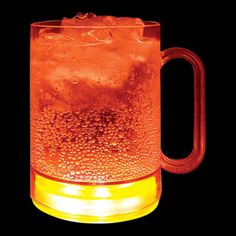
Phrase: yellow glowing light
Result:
[97,204]
[102,192]
[72,190]
[131,203]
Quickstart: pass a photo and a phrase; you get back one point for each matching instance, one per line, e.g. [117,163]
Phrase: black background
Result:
[187,200]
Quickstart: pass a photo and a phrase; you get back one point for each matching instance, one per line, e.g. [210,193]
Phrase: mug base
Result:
[107,203]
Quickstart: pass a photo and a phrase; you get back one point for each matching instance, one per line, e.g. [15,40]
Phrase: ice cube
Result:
[130,27]
[88,30]
[76,20]
[47,35]
[92,28]
[97,66]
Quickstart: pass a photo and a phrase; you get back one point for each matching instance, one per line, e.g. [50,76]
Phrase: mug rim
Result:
[50,24]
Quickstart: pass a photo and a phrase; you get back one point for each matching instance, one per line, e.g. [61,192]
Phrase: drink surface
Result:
[95,100]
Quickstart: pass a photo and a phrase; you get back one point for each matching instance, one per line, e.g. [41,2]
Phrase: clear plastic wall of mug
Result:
[95,120]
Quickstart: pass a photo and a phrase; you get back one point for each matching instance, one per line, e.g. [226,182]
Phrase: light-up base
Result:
[96,203]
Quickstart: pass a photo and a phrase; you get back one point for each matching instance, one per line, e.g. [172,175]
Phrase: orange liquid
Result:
[95,112]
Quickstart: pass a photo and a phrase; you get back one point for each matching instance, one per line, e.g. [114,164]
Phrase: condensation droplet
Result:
[75,80]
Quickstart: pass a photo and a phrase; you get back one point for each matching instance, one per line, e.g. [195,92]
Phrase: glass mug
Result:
[95,121]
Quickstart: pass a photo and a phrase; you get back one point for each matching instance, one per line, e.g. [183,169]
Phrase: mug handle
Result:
[192,161]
